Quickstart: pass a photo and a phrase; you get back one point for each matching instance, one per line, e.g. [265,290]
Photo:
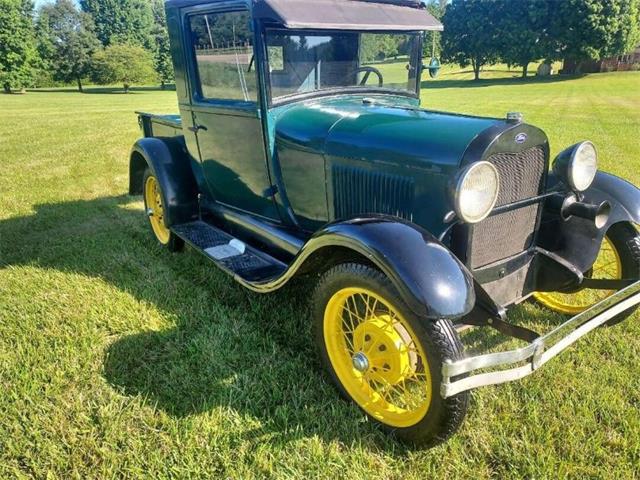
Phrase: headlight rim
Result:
[462,176]
[564,165]
[572,164]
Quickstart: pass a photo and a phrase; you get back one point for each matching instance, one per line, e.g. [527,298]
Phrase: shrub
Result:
[124,64]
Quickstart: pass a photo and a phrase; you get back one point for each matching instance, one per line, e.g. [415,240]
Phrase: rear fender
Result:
[169,161]
[428,277]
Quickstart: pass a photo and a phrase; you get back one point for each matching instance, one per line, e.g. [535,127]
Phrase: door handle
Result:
[197,128]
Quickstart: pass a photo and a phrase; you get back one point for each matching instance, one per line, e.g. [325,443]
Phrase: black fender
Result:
[170,163]
[429,278]
[623,196]
[577,240]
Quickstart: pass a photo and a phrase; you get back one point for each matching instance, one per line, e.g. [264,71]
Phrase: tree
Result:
[162,53]
[523,31]
[124,64]
[121,21]
[470,35]
[594,29]
[67,42]
[18,54]
[379,47]
[221,26]
[432,40]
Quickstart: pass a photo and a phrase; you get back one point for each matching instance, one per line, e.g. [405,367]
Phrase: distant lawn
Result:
[120,359]
[604,108]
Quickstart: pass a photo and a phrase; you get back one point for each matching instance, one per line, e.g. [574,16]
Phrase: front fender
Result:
[577,240]
[169,161]
[428,277]
[623,196]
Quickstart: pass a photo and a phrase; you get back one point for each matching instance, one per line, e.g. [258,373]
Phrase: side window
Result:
[223,47]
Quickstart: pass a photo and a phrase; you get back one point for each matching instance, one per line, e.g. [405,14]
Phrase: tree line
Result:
[104,41]
[126,41]
[519,32]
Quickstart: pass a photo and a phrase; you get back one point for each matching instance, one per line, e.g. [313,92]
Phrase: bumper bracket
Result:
[513,365]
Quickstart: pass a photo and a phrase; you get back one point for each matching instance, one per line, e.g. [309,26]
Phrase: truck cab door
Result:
[225,110]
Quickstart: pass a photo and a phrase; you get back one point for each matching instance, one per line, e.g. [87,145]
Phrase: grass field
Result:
[118,359]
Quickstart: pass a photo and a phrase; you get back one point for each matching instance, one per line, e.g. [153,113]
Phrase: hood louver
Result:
[358,191]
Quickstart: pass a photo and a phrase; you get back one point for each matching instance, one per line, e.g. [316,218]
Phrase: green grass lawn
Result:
[120,359]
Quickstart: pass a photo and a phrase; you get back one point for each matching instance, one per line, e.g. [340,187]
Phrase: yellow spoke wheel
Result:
[608,266]
[155,209]
[384,357]
[377,358]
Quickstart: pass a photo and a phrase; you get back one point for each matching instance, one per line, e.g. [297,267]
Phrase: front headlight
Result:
[577,166]
[476,192]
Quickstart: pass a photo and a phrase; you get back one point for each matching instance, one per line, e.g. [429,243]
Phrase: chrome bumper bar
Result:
[536,353]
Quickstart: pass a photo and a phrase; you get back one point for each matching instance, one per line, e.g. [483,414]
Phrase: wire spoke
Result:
[378,387]
[355,309]
[417,381]
[345,308]
[388,387]
[402,399]
[366,305]
[349,343]
[392,393]
[609,264]
[375,304]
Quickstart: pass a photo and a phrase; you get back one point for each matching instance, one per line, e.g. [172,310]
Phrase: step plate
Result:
[252,265]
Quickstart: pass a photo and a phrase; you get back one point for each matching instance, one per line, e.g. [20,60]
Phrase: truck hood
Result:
[389,130]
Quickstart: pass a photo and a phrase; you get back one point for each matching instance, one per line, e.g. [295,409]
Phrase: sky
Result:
[43,2]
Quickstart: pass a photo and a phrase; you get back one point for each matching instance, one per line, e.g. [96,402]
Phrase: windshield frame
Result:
[327,92]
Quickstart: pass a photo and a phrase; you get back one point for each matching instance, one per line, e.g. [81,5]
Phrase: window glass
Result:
[302,62]
[276,60]
[223,45]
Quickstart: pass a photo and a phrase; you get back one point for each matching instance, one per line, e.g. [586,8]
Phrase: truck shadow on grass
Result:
[227,351]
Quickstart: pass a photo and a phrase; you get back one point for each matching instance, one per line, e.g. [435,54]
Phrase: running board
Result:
[230,254]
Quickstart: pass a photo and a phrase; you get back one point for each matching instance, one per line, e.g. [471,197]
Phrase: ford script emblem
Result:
[521,138]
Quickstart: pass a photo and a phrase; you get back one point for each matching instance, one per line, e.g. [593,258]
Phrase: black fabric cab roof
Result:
[404,15]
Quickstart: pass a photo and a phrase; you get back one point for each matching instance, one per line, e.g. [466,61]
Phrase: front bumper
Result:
[516,364]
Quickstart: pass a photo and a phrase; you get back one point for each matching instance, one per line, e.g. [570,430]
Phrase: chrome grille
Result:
[501,236]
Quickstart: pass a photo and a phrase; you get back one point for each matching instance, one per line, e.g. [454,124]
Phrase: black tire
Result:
[626,240]
[174,243]
[438,338]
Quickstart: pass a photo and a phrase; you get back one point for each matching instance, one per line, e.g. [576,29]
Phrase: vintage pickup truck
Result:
[301,148]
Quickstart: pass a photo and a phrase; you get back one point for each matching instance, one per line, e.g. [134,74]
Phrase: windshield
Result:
[304,62]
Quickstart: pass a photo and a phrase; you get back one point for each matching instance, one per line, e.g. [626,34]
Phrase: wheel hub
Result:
[383,354]
[360,362]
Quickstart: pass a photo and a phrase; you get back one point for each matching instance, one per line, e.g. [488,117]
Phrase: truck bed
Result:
[154,125]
